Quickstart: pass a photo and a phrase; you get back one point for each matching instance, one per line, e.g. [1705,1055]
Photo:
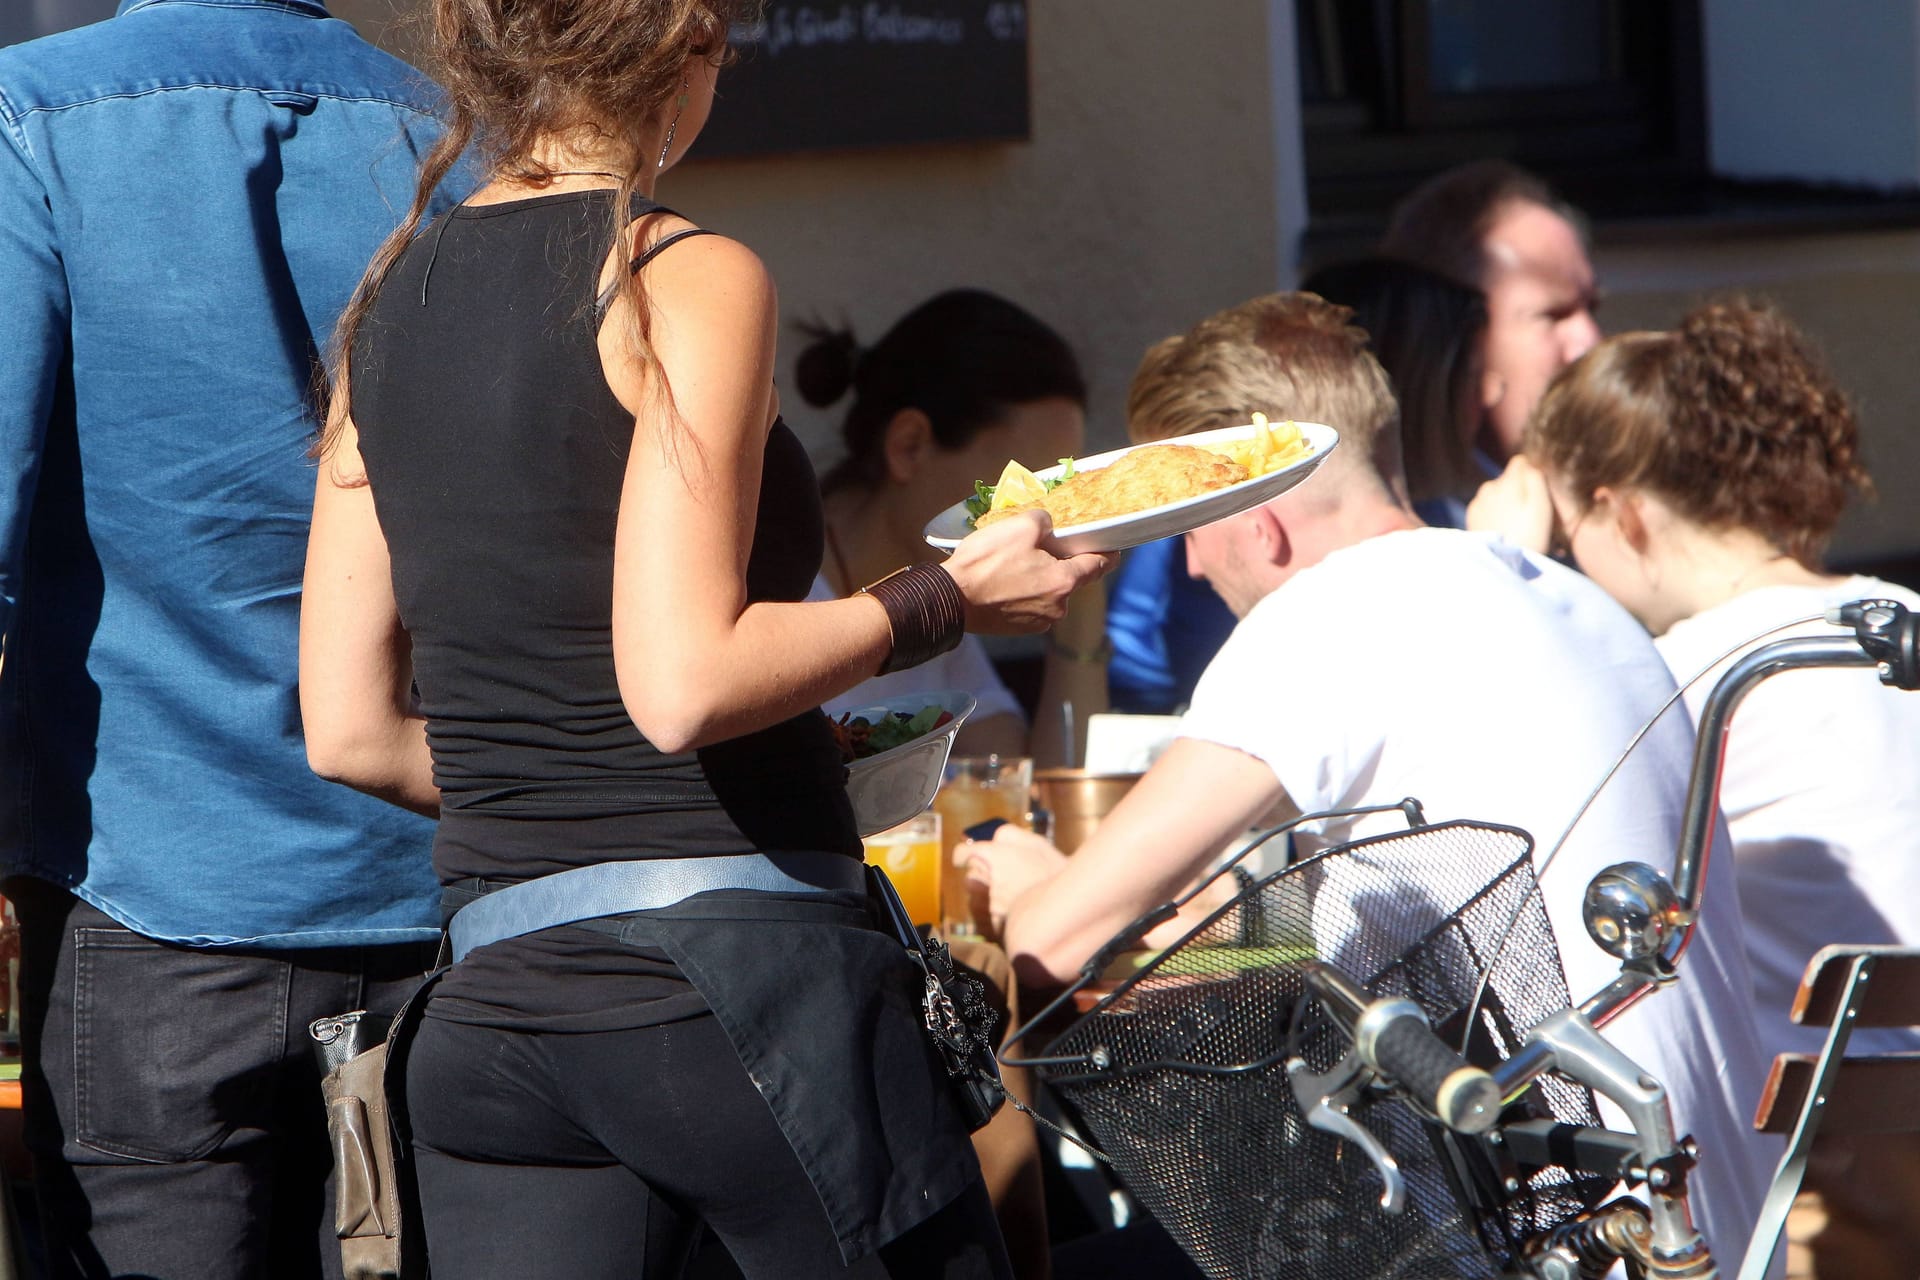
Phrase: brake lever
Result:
[1325,1100]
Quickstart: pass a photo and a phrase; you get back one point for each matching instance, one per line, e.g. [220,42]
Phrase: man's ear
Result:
[906,441]
[1268,535]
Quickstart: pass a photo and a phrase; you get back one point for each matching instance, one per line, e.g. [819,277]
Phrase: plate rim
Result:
[1099,460]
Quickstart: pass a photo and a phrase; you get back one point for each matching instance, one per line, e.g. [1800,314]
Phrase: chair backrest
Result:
[1892,997]
[1878,1094]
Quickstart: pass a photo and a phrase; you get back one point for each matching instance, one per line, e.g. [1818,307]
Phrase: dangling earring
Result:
[679,105]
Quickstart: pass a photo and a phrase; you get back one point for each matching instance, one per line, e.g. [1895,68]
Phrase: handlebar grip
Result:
[1394,1038]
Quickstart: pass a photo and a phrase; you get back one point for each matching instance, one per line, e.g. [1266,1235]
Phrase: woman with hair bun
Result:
[1697,475]
[958,386]
[555,595]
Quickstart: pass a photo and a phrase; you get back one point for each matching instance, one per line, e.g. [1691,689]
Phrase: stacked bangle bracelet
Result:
[925,612]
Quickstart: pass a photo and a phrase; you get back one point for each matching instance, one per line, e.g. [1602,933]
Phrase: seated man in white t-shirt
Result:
[1377,659]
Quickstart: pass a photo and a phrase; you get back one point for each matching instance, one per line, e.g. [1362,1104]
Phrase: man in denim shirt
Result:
[188,194]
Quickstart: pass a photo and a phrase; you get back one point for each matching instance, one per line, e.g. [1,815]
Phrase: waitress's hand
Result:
[1012,583]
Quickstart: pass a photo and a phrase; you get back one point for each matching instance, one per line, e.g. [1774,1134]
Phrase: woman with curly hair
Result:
[1697,475]
[555,594]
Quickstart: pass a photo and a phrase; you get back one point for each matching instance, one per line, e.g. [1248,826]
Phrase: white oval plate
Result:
[1170,519]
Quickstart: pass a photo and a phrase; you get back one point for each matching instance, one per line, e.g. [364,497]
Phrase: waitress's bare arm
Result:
[356,662]
[696,663]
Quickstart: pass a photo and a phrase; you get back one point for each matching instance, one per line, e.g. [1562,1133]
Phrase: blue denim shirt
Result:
[188,194]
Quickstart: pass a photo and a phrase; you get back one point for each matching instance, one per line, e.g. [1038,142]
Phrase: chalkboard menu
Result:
[871,74]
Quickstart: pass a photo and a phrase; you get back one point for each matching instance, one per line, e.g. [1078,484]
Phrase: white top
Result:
[966,667]
[1821,790]
[1495,685]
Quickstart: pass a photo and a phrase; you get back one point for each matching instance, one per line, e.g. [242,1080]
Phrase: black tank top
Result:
[496,452]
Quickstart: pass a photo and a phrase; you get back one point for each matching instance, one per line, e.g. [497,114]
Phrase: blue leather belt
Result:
[615,888]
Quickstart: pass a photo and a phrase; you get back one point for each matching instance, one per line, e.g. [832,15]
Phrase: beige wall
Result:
[1111,223]
[1144,200]
[1858,294]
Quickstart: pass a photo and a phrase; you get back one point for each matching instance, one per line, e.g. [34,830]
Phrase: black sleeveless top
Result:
[496,453]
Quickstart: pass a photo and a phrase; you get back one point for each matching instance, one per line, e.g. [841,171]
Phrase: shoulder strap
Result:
[605,300]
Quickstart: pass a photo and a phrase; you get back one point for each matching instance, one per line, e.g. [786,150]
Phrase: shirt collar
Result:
[312,8]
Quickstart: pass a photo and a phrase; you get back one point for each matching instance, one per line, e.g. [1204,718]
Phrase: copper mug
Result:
[1077,800]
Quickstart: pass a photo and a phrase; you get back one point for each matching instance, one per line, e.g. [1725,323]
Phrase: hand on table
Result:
[1004,868]
[1516,504]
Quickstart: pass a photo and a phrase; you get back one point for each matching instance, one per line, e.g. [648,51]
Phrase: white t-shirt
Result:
[966,667]
[1494,685]
[1821,790]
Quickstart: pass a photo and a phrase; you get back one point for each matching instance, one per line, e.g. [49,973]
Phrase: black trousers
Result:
[599,1156]
[172,1098]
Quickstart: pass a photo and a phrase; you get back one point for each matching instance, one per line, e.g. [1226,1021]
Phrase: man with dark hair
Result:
[1500,229]
[188,194]
[1505,687]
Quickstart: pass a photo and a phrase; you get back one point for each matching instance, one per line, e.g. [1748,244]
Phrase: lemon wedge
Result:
[1017,487]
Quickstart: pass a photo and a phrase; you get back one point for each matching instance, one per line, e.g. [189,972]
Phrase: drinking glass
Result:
[910,855]
[976,788]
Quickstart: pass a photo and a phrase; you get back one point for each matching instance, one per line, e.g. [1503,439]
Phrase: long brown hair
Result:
[519,72]
[1427,332]
[1733,418]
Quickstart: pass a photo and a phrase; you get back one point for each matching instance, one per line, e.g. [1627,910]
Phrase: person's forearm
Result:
[395,764]
[409,779]
[1049,935]
[1143,854]
[775,662]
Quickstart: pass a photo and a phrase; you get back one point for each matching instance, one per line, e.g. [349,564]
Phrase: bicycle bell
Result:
[1630,910]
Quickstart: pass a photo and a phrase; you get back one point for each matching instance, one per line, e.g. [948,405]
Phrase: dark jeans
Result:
[599,1155]
[172,1098]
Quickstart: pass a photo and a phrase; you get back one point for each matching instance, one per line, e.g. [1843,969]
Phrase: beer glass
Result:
[976,788]
[910,855]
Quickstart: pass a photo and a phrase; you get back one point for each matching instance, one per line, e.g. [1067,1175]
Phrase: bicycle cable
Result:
[1633,743]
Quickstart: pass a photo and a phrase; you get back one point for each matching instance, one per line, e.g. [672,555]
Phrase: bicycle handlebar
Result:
[1392,1037]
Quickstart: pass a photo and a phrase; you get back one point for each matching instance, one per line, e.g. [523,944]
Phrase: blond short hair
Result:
[1287,355]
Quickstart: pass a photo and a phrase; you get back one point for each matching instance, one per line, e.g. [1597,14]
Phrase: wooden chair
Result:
[1845,988]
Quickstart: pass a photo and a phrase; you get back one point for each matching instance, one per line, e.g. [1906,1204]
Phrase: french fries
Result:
[1268,449]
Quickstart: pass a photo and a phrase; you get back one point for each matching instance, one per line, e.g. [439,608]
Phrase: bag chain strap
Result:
[968,1029]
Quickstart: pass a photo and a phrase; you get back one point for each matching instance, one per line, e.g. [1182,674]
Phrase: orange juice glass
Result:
[910,855]
[976,788]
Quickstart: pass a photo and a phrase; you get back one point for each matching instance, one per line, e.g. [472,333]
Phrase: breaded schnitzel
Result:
[1150,476]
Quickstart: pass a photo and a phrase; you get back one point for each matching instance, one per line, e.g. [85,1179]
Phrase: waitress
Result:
[557,500]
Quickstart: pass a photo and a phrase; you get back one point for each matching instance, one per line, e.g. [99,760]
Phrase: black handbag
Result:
[954,1005]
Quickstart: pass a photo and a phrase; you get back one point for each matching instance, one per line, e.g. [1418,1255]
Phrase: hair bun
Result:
[826,365]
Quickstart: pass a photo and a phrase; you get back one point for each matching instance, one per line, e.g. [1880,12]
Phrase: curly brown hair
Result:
[1733,418]
[519,73]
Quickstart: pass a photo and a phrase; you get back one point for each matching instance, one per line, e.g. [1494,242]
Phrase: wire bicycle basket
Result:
[1180,1073]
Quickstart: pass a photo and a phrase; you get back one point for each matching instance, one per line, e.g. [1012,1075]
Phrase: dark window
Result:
[1602,97]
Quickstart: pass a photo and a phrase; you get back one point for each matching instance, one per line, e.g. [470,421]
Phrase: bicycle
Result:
[1231,1081]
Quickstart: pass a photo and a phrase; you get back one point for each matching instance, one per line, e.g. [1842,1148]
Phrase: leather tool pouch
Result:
[954,1006]
[372,1191]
